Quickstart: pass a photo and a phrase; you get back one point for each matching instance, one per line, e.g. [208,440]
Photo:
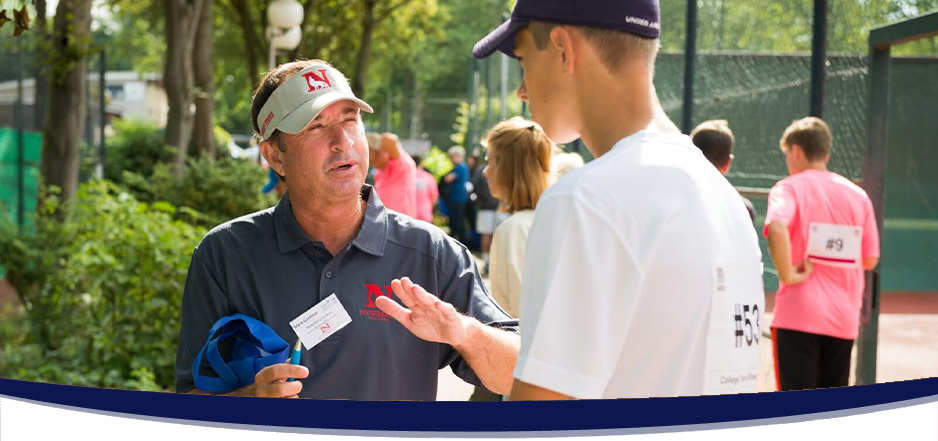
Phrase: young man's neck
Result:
[615,106]
[335,224]
[816,166]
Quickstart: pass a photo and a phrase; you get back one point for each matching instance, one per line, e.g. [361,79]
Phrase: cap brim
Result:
[501,39]
[298,119]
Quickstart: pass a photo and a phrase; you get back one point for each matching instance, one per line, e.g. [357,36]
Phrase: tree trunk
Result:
[42,61]
[178,76]
[67,106]
[416,119]
[251,39]
[364,51]
[203,62]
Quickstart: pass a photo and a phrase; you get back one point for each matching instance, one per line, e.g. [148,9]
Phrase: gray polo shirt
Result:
[265,266]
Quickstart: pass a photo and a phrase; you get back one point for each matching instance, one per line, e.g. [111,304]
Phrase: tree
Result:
[182,20]
[203,62]
[41,55]
[372,16]
[65,117]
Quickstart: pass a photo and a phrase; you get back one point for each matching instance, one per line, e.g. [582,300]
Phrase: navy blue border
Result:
[471,417]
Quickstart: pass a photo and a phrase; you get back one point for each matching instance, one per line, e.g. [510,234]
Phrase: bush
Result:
[137,146]
[102,291]
[210,192]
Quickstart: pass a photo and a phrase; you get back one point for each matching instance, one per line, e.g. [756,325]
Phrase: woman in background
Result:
[518,171]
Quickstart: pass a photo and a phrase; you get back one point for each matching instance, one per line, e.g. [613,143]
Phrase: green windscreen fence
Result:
[10,176]
[760,95]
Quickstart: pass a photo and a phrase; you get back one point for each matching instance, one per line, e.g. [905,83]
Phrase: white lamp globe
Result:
[285,14]
[286,41]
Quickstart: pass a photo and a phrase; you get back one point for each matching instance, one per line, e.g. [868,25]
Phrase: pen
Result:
[295,356]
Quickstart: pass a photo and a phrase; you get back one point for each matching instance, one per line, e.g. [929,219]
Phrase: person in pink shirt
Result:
[396,177]
[822,235]
[427,192]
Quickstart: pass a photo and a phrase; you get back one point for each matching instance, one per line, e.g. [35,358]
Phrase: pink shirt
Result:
[427,193]
[829,302]
[396,185]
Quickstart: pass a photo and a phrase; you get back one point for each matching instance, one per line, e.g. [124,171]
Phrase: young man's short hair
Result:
[715,139]
[811,134]
[614,46]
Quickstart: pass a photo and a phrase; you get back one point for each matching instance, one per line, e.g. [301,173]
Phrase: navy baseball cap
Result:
[639,17]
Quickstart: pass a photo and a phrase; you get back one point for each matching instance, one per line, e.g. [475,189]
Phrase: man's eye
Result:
[314,128]
[351,120]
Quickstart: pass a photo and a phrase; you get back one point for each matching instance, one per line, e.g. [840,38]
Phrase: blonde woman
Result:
[518,171]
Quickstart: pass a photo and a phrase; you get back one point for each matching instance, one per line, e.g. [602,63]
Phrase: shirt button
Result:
[328,274]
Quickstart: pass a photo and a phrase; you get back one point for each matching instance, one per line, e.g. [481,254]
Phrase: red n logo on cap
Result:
[316,82]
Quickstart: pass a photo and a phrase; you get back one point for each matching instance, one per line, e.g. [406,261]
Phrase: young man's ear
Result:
[726,168]
[273,155]
[561,38]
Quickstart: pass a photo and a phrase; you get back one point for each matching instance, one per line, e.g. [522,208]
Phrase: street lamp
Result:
[283,27]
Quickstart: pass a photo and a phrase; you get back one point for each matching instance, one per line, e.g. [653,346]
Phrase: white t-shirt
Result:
[623,260]
[507,259]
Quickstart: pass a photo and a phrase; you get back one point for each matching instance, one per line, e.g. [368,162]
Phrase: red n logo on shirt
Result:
[374,291]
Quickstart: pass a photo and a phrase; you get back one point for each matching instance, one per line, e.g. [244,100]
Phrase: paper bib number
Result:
[834,245]
[737,308]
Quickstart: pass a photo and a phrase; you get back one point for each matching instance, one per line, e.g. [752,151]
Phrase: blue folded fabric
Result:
[252,346]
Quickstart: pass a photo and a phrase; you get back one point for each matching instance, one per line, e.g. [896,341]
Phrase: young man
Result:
[822,235]
[642,278]
[396,177]
[715,139]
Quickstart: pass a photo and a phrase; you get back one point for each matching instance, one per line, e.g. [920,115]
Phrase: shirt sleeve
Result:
[203,303]
[465,290]
[574,320]
[870,245]
[782,206]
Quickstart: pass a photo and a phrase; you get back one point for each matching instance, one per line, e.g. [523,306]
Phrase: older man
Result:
[396,179]
[331,235]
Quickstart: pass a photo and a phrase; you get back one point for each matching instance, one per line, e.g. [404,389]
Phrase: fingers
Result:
[397,285]
[391,308]
[421,295]
[277,372]
[286,389]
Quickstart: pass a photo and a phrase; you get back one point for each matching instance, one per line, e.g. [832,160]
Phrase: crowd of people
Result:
[638,274]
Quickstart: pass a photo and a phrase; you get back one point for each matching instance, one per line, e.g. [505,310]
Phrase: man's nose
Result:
[339,138]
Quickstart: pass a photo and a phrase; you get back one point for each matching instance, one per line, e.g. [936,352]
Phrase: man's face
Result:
[545,88]
[329,158]
[456,159]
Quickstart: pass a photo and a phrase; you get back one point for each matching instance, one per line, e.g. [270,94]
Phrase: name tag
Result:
[320,321]
[834,245]
[737,307]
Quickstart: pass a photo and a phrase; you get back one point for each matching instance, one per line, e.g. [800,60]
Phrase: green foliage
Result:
[210,192]
[137,146]
[437,163]
[101,291]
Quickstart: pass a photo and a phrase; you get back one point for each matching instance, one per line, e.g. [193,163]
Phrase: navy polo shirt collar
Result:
[371,239]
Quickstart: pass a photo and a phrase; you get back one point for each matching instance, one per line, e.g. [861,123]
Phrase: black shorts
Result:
[810,361]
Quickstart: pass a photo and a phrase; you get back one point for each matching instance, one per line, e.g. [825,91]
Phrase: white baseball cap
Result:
[300,99]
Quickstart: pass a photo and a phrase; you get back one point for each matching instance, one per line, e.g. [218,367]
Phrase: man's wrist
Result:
[473,327]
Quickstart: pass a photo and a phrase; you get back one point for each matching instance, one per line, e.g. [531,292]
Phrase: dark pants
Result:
[810,361]
[457,221]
